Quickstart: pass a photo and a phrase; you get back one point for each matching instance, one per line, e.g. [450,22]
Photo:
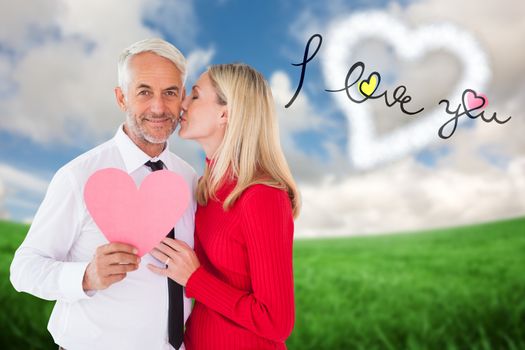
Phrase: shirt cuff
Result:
[70,281]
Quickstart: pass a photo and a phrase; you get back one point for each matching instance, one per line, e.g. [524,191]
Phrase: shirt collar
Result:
[132,155]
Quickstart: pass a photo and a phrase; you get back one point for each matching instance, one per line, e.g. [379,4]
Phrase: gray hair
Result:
[159,47]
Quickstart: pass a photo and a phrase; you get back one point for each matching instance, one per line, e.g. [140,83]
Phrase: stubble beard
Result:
[140,132]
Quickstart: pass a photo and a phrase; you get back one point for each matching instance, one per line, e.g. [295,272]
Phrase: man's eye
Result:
[144,92]
[171,93]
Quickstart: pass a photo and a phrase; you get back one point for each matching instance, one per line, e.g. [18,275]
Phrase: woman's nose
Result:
[185,103]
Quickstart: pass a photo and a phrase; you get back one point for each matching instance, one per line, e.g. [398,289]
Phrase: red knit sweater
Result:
[243,289]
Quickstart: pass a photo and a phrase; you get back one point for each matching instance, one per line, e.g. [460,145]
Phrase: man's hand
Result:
[110,264]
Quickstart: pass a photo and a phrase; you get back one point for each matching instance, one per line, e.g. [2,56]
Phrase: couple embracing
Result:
[231,251]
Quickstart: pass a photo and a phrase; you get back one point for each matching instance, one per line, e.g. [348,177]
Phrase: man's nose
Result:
[157,105]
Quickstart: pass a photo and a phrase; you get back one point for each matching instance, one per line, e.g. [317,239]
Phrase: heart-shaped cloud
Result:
[365,148]
[141,216]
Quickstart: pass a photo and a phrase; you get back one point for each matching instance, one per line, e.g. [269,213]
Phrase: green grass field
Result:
[461,288]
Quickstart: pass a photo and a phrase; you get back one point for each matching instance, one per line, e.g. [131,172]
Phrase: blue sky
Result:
[58,69]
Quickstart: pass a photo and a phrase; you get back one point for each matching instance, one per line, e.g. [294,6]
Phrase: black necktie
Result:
[176,310]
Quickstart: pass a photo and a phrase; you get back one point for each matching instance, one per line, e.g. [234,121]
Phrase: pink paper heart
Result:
[476,101]
[140,216]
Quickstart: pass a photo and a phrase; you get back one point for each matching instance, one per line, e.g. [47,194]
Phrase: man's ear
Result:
[121,99]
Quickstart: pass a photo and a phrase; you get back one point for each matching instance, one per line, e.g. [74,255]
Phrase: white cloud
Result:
[16,178]
[305,25]
[300,117]
[24,24]
[499,25]
[196,62]
[19,189]
[408,196]
[176,17]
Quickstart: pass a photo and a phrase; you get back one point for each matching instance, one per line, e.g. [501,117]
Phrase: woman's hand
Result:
[181,261]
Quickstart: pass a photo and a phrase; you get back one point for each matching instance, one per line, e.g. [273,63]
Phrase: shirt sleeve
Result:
[40,265]
[268,310]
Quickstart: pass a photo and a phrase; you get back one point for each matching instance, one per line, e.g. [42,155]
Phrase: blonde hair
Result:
[250,151]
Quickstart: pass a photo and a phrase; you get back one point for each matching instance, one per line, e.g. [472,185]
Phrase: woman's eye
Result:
[194,97]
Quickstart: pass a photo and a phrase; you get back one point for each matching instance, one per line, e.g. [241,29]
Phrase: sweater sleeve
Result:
[268,309]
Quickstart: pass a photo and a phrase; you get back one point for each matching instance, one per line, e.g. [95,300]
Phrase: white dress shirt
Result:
[50,263]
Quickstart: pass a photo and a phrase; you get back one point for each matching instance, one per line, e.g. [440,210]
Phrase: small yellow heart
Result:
[367,87]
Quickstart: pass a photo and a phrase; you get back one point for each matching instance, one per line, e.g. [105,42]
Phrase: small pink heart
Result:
[141,217]
[476,101]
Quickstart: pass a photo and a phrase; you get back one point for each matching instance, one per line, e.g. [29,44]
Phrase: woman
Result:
[241,271]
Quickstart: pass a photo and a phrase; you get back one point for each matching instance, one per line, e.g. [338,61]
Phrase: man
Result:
[106,296]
